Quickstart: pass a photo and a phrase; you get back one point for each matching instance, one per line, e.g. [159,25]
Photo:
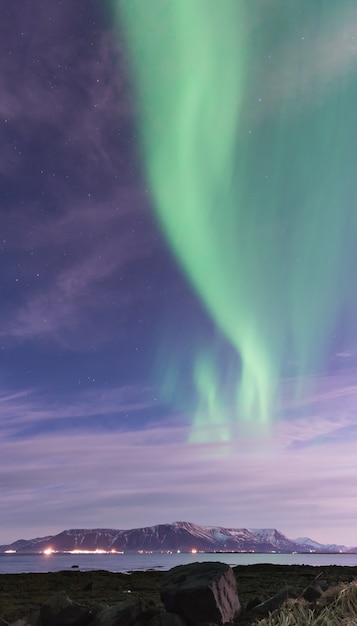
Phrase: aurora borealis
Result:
[178,244]
[251,166]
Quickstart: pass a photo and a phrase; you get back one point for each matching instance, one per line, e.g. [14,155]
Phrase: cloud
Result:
[126,480]
[78,214]
[306,60]
[74,268]
[325,411]
[344,354]
[56,78]
[140,475]
[26,414]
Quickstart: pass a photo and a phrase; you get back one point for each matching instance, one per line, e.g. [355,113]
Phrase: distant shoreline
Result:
[159,561]
[140,552]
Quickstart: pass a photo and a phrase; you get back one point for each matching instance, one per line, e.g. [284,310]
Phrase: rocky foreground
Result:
[206,593]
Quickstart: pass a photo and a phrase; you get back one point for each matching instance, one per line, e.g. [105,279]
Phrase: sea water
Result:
[25,563]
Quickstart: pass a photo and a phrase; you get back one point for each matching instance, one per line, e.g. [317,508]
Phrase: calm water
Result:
[21,563]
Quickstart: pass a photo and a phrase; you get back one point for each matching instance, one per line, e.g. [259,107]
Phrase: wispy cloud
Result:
[74,267]
[145,475]
[118,480]
[67,138]
[307,61]
[70,85]
[324,410]
[31,411]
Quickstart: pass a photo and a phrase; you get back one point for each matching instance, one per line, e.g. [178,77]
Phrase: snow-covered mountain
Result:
[25,545]
[275,538]
[320,547]
[183,536]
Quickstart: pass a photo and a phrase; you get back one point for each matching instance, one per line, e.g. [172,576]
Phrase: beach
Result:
[22,593]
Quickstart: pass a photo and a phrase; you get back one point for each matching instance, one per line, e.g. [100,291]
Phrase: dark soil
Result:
[21,593]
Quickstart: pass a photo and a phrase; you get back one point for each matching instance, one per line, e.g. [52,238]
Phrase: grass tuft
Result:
[338,607]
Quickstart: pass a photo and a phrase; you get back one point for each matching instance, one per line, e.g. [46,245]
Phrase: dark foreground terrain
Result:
[20,593]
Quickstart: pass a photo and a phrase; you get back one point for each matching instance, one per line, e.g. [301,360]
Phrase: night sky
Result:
[178,225]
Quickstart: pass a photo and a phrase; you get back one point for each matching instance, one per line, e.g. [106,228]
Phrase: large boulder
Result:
[201,592]
[119,614]
[167,619]
[59,610]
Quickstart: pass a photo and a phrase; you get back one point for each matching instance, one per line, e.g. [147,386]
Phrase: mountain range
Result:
[178,536]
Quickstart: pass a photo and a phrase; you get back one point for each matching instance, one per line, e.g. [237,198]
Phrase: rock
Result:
[59,610]
[119,614]
[19,622]
[33,617]
[323,585]
[167,619]
[312,593]
[97,608]
[253,602]
[72,615]
[52,607]
[275,602]
[201,592]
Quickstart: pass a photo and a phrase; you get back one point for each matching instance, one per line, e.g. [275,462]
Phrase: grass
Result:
[337,607]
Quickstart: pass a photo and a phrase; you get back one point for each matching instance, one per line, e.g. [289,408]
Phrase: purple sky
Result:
[90,299]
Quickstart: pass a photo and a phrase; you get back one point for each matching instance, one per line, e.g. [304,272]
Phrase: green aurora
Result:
[247,117]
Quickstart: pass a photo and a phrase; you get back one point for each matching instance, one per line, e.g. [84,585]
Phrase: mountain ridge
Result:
[175,536]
